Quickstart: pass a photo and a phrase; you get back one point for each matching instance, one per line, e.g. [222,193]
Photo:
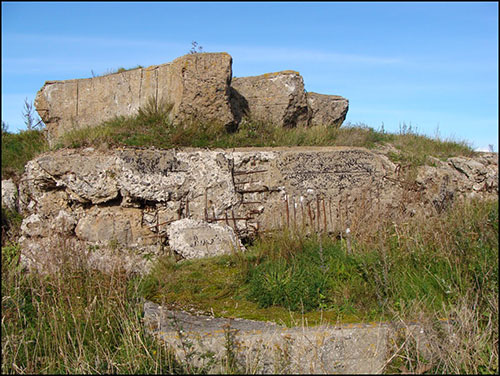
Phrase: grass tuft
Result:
[18,149]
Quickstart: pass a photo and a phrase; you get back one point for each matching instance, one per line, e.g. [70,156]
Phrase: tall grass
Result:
[79,320]
[416,269]
[424,269]
[19,148]
[75,321]
[396,267]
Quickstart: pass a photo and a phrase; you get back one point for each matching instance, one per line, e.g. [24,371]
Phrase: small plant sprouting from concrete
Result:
[230,346]
[112,71]
[195,48]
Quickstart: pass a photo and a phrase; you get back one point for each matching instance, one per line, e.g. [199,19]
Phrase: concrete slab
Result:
[267,348]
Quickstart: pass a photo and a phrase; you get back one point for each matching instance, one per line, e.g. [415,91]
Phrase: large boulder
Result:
[196,85]
[329,110]
[278,98]
[199,86]
[192,238]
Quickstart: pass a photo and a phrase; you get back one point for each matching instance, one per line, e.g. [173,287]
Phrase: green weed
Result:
[19,148]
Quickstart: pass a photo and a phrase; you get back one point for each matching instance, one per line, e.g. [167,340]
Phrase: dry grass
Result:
[153,126]
[466,343]
[75,321]
[446,266]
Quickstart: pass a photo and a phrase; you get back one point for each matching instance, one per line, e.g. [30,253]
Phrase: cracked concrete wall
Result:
[131,196]
[196,85]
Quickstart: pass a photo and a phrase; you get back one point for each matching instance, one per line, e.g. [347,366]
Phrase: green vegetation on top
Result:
[152,126]
[117,70]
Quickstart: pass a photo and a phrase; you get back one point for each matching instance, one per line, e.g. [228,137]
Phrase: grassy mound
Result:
[152,127]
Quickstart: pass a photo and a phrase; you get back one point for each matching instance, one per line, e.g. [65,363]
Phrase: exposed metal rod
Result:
[247,172]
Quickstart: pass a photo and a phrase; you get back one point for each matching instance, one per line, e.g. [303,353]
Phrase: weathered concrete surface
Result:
[192,238]
[278,98]
[266,348]
[197,85]
[129,197]
[9,194]
[328,110]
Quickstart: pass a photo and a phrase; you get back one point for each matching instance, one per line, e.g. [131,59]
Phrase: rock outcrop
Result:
[128,199]
[328,110]
[191,238]
[277,98]
[195,86]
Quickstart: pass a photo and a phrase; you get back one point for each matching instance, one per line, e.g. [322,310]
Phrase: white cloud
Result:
[485,148]
[269,53]
[242,53]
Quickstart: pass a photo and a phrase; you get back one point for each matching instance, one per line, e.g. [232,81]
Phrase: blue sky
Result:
[430,65]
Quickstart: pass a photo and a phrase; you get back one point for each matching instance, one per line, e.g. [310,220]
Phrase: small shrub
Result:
[195,48]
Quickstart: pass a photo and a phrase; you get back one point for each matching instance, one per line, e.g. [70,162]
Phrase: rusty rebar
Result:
[266,189]
[234,222]
[324,215]
[236,173]
[163,223]
[318,211]
[310,214]
[232,218]
[302,212]
[206,204]
[287,212]
[331,213]
[294,214]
